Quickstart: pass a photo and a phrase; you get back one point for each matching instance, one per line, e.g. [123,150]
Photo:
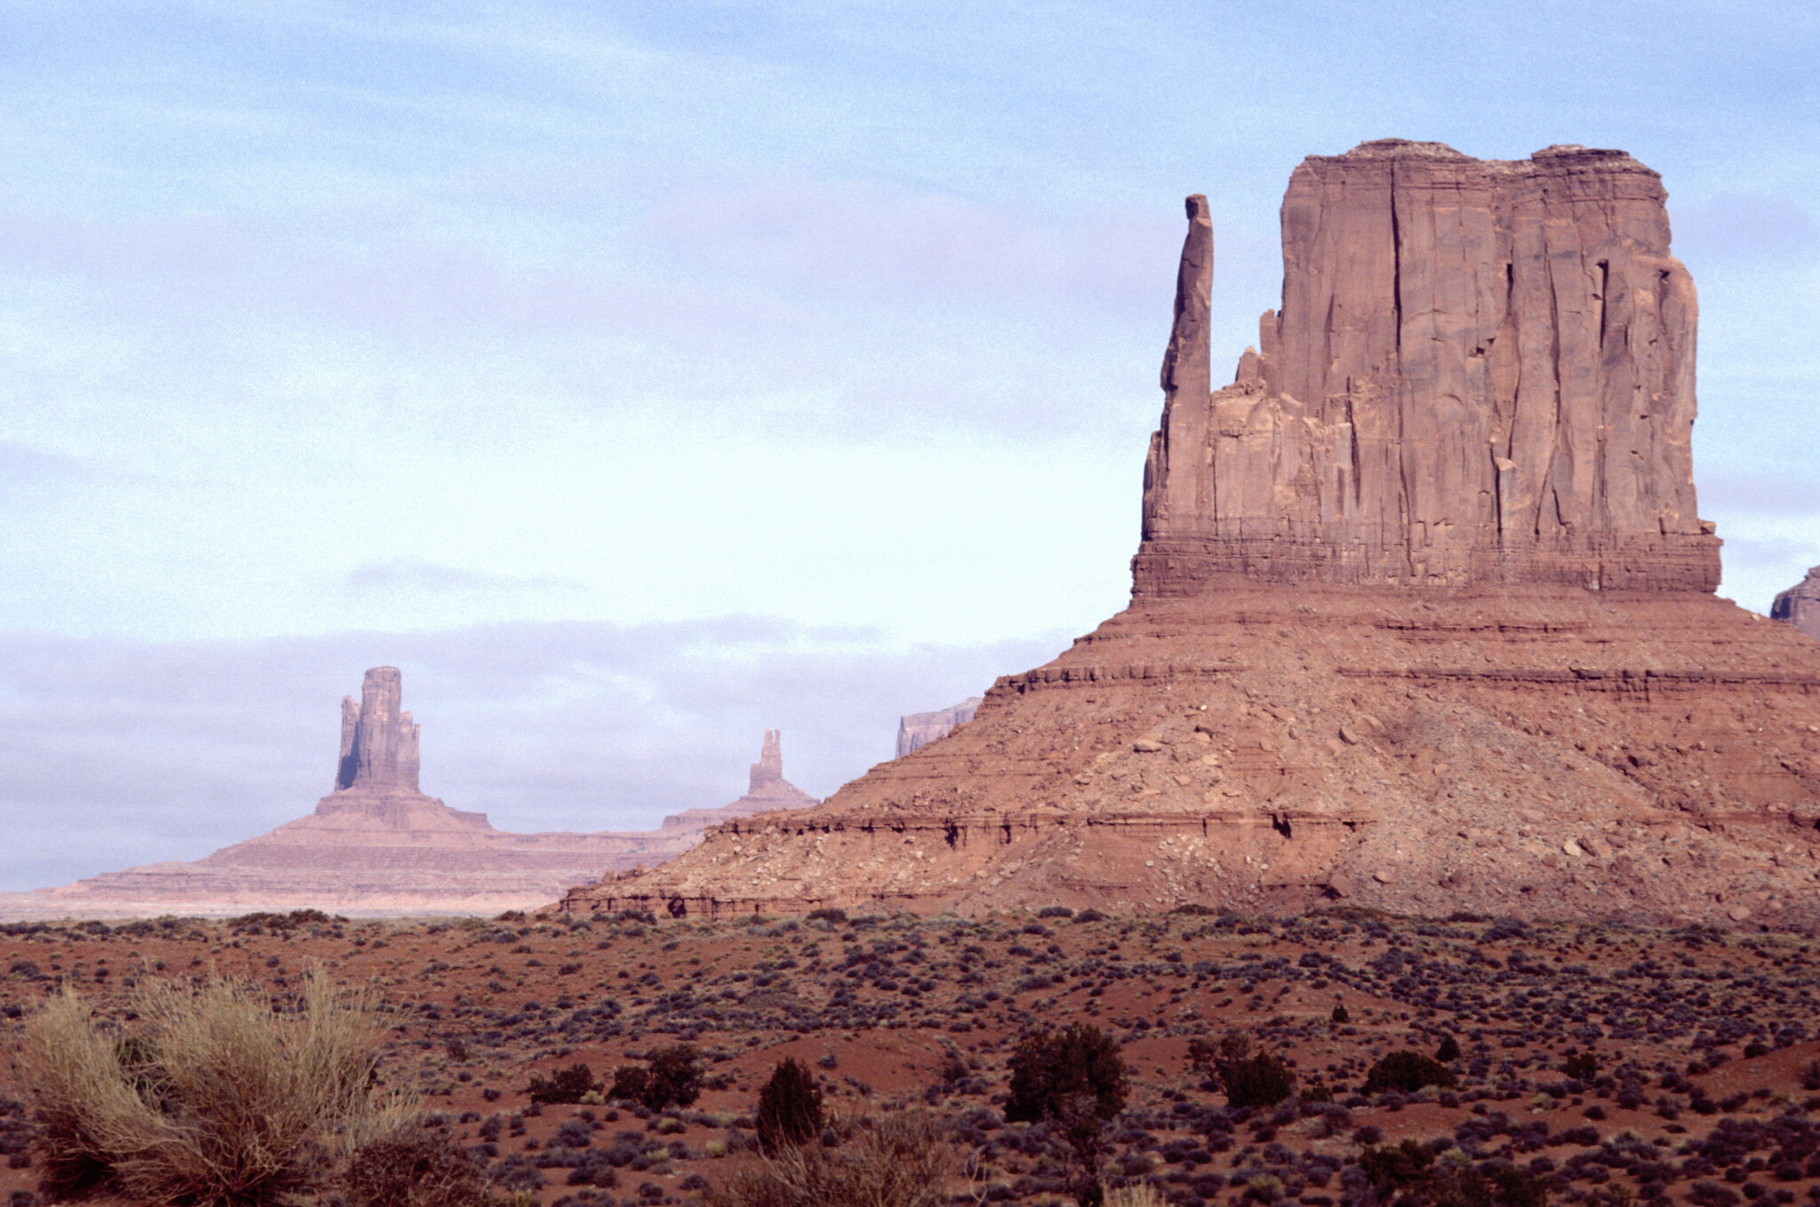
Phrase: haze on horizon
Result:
[639,380]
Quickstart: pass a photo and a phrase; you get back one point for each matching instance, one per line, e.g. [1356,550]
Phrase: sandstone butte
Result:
[1422,618]
[1800,604]
[378,844]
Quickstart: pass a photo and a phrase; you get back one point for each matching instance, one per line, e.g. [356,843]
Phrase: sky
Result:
[639,376]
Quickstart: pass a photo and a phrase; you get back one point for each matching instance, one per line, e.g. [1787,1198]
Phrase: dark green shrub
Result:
[1449,1051]
[1259,1080]
[1051,1068]
[1249,1079]
[669,1077]
[1581,1066]
[789,1106]
[837,917]
[1340,1013]
[1408,1072]
[563,1085]
[629,1083]
[1408,1173]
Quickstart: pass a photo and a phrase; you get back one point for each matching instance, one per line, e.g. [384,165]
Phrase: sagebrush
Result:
[896,1161]
[215,1095]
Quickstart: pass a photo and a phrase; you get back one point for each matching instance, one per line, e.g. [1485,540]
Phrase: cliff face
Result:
[1482,372]
[916,730]
[1800,604]
[1421,619]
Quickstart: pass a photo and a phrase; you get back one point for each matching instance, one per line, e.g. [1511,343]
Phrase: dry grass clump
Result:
[896,1161]
[1138,1194]
[213,1097]
[418,1167]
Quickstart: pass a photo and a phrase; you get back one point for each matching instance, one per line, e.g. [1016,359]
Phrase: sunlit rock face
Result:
[1482,372]
[1421,620]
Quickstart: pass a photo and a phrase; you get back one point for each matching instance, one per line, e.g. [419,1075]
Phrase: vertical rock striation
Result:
[378,739]
[1482,372]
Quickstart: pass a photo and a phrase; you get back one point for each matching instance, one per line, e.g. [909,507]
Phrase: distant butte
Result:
[377,844]
[1800,604]
[1421,619]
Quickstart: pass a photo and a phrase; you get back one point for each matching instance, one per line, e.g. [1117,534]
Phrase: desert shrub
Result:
[1581,1066]
[1138,1194]
[789,1106]
[1050,1068]
[1249,1079]
[213,1097]
[670,1076]
[1340,1013]
[1408,1173]
[1407,1072]
[418,1167]
[564,1085]
[1449,1050]
[629,1082]
[1259,1080]
[835,917]
[901,1161]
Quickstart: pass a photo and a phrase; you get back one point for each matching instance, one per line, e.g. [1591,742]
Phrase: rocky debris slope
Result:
[918,729]
[1422,618]
[1800,604]
[377,844]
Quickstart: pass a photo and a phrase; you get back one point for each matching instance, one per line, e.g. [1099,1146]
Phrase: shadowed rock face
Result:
[916,730]
[1800,604]
[1421,619]
[1483,371]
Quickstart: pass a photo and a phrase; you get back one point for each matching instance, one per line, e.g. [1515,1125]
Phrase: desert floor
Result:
[1707,1087]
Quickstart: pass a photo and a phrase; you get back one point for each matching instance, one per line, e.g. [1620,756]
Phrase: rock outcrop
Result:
[918,729]
[1482,372]
[1421,619]
[1800,604]
[377,844]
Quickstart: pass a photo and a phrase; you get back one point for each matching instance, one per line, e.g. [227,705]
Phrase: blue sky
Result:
[813,346]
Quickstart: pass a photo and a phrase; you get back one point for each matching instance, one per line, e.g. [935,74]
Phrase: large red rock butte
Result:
[377,844]
[1422,616]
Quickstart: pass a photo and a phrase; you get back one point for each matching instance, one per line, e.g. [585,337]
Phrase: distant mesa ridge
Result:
[1421,616]
[378,844]
[1800,604]
[918,729]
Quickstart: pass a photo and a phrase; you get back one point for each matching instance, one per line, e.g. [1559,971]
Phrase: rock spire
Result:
[1482,371]
[769,769]
[378,740]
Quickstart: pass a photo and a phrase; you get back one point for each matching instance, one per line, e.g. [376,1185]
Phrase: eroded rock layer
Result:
[1422,618]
